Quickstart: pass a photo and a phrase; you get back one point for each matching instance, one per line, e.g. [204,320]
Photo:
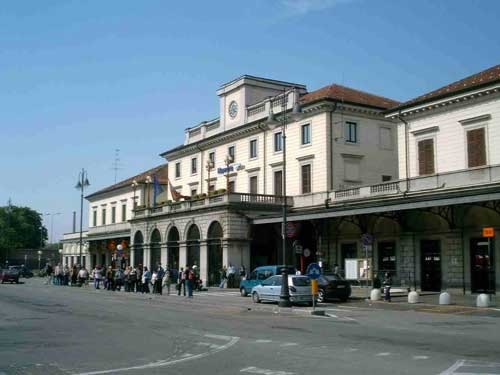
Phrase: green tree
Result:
[20,228]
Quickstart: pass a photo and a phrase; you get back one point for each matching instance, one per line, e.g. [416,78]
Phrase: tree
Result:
[20,228]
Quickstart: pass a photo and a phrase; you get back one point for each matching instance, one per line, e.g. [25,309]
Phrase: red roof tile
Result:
[488,76]
[161,172]
[349,95]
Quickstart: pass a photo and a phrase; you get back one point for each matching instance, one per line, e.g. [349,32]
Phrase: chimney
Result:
[74,221]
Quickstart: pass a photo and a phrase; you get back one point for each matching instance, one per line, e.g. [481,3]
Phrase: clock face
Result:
[233,109]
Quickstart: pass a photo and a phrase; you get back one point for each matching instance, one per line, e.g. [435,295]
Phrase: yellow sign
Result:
[488,232]
[314,287]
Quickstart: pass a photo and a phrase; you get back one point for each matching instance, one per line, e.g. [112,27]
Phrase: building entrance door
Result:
[482,271]
[430,254]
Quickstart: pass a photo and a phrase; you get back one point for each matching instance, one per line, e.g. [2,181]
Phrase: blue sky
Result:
[79,79]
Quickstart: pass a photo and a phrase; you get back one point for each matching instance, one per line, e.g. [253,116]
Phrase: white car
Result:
[270,289]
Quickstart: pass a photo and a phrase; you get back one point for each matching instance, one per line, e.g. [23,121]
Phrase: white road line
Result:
[289,344]
[211,346]
[263,341]
[416,357]
[383,354]
[463,364]
[451,370]
[256,370]
[351,350]
[232,341]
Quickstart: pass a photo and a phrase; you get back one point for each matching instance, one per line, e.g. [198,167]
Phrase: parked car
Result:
[259,275]
[333,286]
[270,289]
[23,271]
[11,275]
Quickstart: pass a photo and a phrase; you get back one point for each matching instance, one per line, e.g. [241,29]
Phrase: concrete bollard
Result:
[483,300]
[413,297]
[444,298]
[375,294]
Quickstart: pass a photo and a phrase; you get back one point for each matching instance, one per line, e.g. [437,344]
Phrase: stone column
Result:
[452,262]
[164,255]
[204,261]
[407,258]
[182,254]
[147,256]
[132,256]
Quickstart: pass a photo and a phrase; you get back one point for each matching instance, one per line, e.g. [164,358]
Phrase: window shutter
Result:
[426,157]
[476,149]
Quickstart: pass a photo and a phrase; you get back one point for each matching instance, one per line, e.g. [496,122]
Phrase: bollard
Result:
[483,300]
[413,297]
[375,294]
[444,298]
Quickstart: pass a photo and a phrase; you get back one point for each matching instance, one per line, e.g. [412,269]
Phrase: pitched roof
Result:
[348,95]
[160,171]
[483,78]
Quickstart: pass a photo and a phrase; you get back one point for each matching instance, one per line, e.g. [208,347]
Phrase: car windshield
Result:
[301,281]
[333,277]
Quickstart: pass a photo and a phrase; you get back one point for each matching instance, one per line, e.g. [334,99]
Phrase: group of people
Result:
[229,276]
[65,275]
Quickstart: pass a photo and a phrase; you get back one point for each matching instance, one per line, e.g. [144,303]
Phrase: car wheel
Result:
[243,292]
[321,296]
[255,297]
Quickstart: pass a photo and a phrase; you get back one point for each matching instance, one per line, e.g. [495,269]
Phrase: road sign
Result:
[298,249]
[307,252]
[488,232]
[291,229]
[314,271]
[367,239]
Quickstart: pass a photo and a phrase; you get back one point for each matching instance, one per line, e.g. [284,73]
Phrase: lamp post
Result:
[39,258]
[52,214]
[273,123]
[60,256]
[82,183]
[148,182]
[228,160]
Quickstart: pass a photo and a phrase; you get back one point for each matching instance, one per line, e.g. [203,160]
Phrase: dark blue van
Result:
[260,274]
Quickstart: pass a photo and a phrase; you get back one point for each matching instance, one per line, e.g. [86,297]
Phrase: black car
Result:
[9,275]
[23,271]
[333,286]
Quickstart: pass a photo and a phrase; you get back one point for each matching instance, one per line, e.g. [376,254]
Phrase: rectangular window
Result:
[231,186]
[211,157]
[124,212]
[103,216]
[253,148]
[476,149]
[278,142]
[211,188]
[278,183]
[426,157]
[385,138]
[352,169]
[387,257]
[113,215]
[177,170]
[230,152]
[351,132]
[194,192]
[306,178]
[306,134]
[386,178]
[94,218]
[194,165]
[253,185]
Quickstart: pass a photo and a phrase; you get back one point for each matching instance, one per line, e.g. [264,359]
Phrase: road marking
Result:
[289,344]
[486,368]
[350,350]
[263,341]
[420,357]
[211,346]
[256,370]
[231,341]
[383,354]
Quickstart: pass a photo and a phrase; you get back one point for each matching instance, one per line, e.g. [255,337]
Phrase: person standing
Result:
[223,277]
[231,275]
[181,282]
[138,284]
[190,277]
[97,275]
[118,279]
[132,279]
[167,280]
[48,272]
[160,273]
[83,276]
[109,279]
[387,286]
[126,274]
[146,279]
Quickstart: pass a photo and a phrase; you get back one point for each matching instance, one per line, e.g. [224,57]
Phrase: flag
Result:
[157,189]
[175,194]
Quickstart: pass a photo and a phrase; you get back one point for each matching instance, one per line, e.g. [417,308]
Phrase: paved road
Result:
[63,330]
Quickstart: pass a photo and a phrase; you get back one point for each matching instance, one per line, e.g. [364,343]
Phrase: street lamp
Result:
[82,183]
[148,182]
[39,258]
[60,256]
[273,123]
[51,214]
